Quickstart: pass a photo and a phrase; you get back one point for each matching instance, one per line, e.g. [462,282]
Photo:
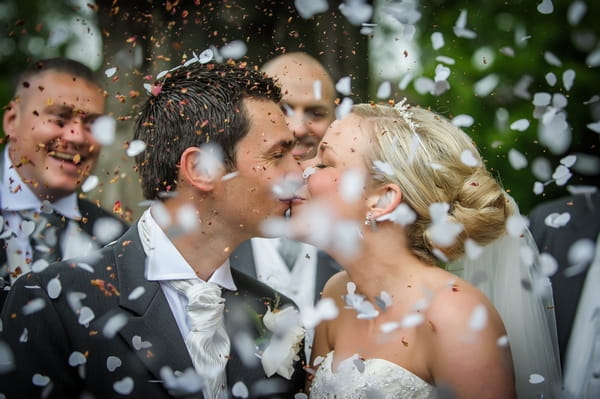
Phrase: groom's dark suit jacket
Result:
[242,259]
[43,340]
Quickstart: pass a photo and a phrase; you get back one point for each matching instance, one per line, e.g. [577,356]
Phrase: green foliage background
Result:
[496,23]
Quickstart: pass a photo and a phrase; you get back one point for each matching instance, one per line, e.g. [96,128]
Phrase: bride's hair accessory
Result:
[403,108]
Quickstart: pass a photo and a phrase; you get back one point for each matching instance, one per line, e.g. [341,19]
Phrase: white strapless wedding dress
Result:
[371,378]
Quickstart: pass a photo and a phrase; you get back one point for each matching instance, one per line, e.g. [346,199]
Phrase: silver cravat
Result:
[207,341]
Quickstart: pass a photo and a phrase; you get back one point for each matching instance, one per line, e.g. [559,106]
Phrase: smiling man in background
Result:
[50,152]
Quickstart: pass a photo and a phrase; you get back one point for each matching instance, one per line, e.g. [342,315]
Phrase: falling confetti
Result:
[90,183]
[103,129]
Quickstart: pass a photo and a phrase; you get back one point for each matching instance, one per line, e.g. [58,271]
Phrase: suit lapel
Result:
[242,259]
[150,319]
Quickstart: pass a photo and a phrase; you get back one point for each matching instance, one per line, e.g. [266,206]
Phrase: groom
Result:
[122,321]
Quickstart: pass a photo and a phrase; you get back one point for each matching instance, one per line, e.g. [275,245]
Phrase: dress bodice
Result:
[372,378]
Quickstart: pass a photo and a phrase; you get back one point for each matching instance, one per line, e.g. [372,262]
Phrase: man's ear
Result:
[384,200]
[191,170]
[10,118]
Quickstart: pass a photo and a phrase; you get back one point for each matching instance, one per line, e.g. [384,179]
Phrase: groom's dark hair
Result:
[193,105]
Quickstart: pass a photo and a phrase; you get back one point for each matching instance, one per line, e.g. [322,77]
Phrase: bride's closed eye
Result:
[320,166]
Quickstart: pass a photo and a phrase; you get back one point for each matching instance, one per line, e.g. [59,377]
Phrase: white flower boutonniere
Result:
[283,348]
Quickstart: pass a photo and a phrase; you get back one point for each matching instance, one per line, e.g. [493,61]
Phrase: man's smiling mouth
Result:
[65,156]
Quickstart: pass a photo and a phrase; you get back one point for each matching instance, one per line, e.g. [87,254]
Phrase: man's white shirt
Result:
[16,196]
[164,262]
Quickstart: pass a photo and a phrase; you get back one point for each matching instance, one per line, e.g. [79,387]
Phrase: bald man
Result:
[308,98]
[296,269]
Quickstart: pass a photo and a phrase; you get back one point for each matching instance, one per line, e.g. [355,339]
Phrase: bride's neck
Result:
[383,261]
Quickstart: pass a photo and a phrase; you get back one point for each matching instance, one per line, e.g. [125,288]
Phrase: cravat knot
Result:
[205,303]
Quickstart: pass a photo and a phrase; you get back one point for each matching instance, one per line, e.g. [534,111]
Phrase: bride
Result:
[407,192]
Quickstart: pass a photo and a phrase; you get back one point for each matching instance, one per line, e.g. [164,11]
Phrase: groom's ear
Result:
[384,200]
[199,176]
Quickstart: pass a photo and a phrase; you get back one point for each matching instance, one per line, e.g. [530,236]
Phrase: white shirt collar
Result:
[165,262]
[15,195]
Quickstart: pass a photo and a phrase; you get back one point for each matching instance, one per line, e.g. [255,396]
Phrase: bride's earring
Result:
[370,221]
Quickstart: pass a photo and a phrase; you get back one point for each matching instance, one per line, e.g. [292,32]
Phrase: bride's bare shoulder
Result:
[336,285]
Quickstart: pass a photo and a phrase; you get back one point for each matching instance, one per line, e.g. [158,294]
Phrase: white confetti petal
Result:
[551,78]
[124,386]
[536,379]
[383,167]
[576,11]
[39,265]
[515,224]
[437,40]
[445,60]
[85,315]
[478,318]
[135,148]
[356,11]
[35,305]
[502,341]
[110,72]
[343,86]
[107,229]
[234,50]
[472,249]
[113,363]
[317,90]
[40,380]
[581,252]
[516,159]
[136,293]
[27,227]
[384,90]
[76,359]
[103,129]
[520,125]
[552,59]
[412,320]
[486,85]
[568,79]
[561,175]
[113,325]
[309,8]
[239,389]
[90,183]
[541,99]
[548,264]
[467,158]
[463,120]
[351,185]
[344,108]
[595,127]
[86,267]
[557,220]
[54,288]
[538,188]
[545,7]
[507,51]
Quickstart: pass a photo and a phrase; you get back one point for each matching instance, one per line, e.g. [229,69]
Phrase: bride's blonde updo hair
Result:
[424,151]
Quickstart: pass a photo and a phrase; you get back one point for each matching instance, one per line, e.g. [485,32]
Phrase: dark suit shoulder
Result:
[92,212]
